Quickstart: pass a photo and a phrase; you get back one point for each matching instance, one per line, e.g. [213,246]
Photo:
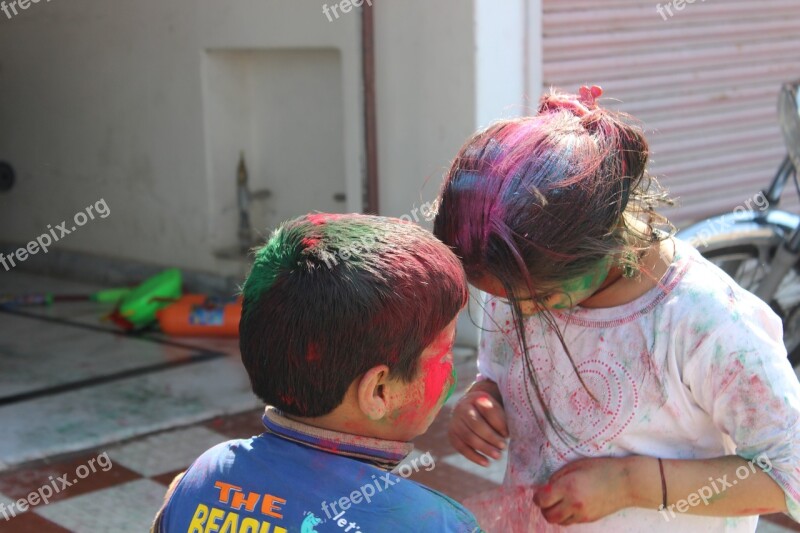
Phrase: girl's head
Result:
[542,207]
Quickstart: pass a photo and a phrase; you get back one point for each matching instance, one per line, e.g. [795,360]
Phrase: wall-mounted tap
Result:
[244,199]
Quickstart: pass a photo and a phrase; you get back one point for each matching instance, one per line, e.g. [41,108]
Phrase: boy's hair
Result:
[331,296]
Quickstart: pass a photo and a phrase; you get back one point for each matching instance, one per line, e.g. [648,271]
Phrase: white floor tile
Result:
[125,508]
[112,412]
[165,452]
[36,355]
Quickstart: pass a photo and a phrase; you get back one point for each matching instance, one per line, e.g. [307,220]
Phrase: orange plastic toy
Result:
[198,315]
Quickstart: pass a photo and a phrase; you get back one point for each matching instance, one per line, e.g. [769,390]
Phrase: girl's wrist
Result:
[643,482]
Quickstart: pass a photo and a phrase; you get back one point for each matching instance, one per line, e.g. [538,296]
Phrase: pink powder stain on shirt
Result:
[731,373]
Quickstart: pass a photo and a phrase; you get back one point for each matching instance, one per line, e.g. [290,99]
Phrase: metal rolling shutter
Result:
[704,83]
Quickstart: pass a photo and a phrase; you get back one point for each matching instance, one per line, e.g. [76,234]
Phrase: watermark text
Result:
[45,240]
[43,494]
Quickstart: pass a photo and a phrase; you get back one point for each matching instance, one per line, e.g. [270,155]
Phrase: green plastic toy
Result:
[138,308]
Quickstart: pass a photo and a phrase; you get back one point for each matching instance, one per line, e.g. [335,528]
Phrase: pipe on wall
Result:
[370,109]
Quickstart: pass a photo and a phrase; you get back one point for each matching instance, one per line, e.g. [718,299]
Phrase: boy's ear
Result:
[373,392]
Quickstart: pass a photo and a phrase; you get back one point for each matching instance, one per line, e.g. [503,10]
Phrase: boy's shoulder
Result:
[270,482]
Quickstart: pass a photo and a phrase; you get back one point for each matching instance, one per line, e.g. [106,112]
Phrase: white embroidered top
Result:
[695,368]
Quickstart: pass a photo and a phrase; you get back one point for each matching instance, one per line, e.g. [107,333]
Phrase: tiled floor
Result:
[132,440]
[123,492]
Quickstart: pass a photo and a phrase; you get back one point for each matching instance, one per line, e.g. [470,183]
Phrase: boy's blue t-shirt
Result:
[277,482]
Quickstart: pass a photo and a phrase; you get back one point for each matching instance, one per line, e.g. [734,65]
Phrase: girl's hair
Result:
[538,200]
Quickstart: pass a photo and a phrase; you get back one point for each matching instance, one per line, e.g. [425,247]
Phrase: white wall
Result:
[117,101]
[425,93]
[105,100]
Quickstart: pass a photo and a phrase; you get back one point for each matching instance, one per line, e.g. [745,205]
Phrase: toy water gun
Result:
[198,315]
[48,298]
[138,308]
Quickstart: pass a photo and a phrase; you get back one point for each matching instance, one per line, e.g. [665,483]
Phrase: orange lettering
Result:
[225,490]
[270,505]
[249,503]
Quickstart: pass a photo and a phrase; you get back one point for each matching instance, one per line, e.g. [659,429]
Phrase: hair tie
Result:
[589,95]
[580,105]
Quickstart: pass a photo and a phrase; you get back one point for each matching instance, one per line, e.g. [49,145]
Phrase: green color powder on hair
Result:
[312,242]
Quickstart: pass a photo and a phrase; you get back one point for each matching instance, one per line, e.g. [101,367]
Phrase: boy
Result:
[346,333]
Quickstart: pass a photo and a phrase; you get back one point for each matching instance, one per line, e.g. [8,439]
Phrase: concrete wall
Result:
[146,105]
[425,59]
[105,100]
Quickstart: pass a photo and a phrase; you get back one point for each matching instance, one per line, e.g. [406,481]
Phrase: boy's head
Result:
[355,311]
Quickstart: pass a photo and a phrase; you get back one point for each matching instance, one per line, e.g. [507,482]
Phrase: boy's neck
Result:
[381,452]
[340,422]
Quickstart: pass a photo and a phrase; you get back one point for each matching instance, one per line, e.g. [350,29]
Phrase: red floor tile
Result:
[29,523]
[166,479]
[20,483]
[239,426]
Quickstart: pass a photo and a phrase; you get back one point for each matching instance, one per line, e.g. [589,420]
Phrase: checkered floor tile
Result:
[124,496]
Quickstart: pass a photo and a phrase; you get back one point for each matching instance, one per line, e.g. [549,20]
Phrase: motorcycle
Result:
[760,249]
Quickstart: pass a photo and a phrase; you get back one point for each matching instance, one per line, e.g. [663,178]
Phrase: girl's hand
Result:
[478,427]
[585,490]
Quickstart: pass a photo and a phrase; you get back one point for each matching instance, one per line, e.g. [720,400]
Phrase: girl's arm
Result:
[725,486]
[589,489]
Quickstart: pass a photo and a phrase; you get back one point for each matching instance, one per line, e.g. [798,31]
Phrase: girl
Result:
[641,388]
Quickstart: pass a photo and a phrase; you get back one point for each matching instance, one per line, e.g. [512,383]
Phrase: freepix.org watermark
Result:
[45,240]
[720,225]
[677,5]
[345,6]
[11,7]
[43,494]
[715,487]
[376,485]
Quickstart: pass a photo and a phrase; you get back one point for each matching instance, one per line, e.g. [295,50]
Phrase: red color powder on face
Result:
[438,377]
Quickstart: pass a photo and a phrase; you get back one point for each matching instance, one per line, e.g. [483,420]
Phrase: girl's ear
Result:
[373,392]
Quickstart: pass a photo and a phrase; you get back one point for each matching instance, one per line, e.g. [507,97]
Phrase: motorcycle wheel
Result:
[746,264]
